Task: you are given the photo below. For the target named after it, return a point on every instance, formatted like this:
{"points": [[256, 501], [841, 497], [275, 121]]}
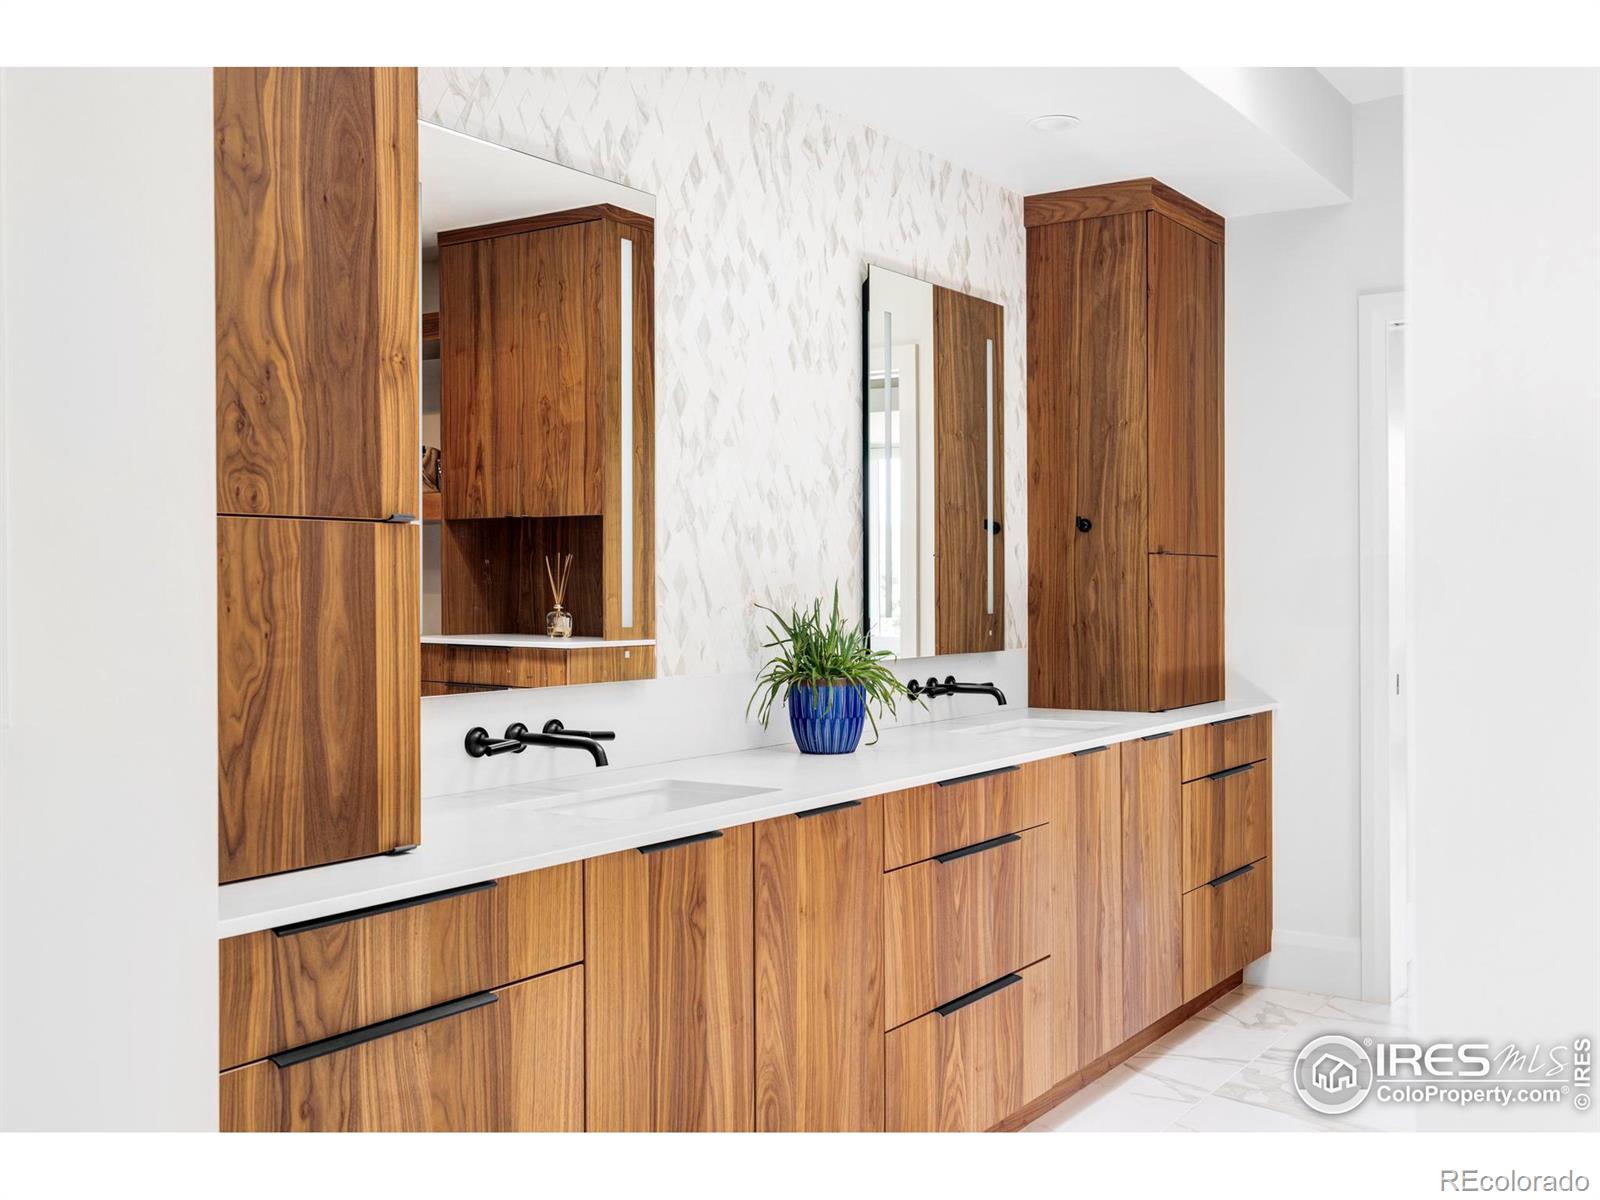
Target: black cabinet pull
{"points": [[1090, 750], [972, 997], [1084, 524], [977, 847], [828, 808], [400, 518], [1231, 771], [371, 1033], [1222, 879], [674, 843], [977, 775], [357, 914], [1230, 720], [1156, 737]]}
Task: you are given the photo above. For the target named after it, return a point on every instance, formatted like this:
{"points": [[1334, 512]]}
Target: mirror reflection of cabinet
{"points": [[544, 401], [934, 456]]}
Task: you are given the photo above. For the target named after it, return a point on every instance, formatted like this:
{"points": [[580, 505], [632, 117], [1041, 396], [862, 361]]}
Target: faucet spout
{"points": [[577, 739]]}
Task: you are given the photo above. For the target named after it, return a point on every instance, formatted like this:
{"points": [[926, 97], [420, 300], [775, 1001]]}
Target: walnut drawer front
{"points": [[510, 1059], [973, 1062], [1227, 822], [302, 983], [939, 817], [1208, 749], [1227, 924], [957, 921]]}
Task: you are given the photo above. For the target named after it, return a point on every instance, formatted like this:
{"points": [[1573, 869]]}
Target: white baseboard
{"points": [[1310, 962]]}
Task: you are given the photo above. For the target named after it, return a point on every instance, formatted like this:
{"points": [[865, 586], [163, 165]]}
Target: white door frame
{"points": [[1381, 942]]}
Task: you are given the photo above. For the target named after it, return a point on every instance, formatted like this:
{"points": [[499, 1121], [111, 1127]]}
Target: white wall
{"points": [[108, 1014], [1292, 532], [1504, 267], [768, 210]]}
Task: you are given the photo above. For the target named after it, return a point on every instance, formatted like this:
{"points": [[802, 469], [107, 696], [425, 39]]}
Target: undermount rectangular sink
{"points": [[1039, 727], [654, 798]]}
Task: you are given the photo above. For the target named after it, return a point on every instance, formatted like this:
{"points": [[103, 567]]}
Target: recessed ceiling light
{"points": [[1054, 122]]}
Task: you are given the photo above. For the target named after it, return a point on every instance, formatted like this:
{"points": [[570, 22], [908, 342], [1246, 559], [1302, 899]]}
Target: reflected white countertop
{"points": [[470, 837]]}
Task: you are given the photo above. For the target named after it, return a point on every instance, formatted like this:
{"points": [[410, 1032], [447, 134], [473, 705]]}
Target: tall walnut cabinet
{"points": [[1124, 448], [317, 481]]}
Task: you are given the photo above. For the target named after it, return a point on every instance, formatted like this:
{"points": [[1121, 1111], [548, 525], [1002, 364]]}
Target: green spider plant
{"points": [[814, 651]]}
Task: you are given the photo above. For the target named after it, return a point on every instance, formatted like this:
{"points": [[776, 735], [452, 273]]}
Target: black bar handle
{"points": [[828, 808], [1232, 720], [554, 725], [1231, 771], [1156, 737], [1090, 750], [978, 847], [977, 775], [1222, 879], [972, 997], [371, 1033], [357, 914], [674, 843]]}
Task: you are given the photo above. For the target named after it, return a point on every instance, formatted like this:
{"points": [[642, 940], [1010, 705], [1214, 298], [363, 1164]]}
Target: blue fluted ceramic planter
{"points": [[827, 718]]}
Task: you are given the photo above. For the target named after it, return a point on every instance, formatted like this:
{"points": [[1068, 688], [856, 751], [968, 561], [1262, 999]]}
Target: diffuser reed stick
{"points": [[558, 622]]}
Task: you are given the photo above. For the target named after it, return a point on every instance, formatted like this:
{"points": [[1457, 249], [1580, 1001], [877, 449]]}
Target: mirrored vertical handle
{"points": [[625, 425], [988, 434]]}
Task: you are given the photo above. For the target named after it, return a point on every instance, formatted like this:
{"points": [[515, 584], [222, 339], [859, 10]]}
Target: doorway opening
{"points": [[1386, 843]]}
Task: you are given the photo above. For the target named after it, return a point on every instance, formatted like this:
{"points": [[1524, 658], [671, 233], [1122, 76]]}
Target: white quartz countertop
{"points": [[470, 837]]}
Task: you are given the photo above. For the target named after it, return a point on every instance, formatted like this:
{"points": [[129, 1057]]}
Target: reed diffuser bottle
{"points": [[558, 621]]}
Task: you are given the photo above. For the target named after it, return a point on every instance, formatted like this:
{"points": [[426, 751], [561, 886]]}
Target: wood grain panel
{"points": [[1097, 334], [522, 378], [570, 216], [967, 1071], [317, 679], [1223, 744], [515, 1064], [316, 291], [1126, 196], [938, 817], [1186, 653], [1066, 1086], [1185, 390], [963, 327], [510, 666], [819, 971], [1152, 871], [669, 956], [1051, 445], [952, 926], [1086, 825], [1226, 927], [284, 990], [1227, 823]]}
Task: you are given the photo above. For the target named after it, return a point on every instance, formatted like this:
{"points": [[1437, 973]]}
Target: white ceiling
{"points": [[466, 181], [1361, 84], [1159, 121]]}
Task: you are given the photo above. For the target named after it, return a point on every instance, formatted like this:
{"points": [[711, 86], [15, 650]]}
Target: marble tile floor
{"points": [[1227, 1069]]}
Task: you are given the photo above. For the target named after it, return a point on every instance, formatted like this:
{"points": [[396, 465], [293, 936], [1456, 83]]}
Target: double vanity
{"points": [[950, 929], [946, 932]]}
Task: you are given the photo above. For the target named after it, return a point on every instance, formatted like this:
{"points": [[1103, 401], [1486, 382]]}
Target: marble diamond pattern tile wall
{"points": [[769, 210]]}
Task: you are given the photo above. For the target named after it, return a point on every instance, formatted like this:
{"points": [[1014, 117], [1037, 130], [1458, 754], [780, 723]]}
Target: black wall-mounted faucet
{"points": [[951, 688], [519, 737]]}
